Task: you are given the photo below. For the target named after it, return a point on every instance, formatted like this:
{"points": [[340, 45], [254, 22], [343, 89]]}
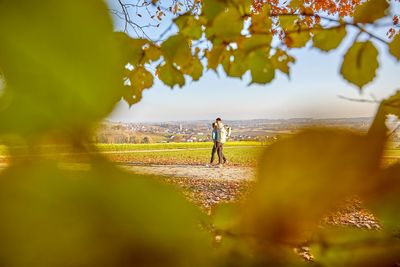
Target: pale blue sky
{"points": [[312, 91]]}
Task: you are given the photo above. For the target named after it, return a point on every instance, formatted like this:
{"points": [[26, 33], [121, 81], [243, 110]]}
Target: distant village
{"points": [[263, 130]]}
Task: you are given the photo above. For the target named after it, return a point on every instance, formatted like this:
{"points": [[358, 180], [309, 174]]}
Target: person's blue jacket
{"points": [[214, 135]]}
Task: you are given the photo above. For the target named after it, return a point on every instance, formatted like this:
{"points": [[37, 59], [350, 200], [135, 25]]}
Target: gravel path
{"points": [[226, 173]]}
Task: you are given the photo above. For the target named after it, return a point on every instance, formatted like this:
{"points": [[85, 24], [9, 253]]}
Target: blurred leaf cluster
{"points": [[64, 69]]}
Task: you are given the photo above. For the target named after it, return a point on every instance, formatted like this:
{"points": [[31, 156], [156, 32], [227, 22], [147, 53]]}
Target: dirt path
{"points": [[228, 173], [167, 150]]}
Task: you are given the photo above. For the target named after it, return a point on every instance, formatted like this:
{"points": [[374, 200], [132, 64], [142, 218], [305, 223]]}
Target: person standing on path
{"points": [[222, 135], [214, 136]]}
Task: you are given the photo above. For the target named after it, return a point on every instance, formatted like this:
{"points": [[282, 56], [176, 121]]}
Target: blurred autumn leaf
{"points": [[97, 217], [58, 76], [352, 247], [307, 174]]}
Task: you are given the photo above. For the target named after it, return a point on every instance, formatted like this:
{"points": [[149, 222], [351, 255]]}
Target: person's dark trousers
{"points": [[213, 151], [221, 157]]}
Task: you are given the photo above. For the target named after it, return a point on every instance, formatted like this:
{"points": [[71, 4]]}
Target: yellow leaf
{"points": [[261, 68], [170, 75], [212, 8], [214, 56], [261, 22], [370, 11], [255, 42], [176, 49], [226, 26], [394, 47], [280, 60], [297, 39], [303, 177], [328, 39], [360, 63], [189, 26]]}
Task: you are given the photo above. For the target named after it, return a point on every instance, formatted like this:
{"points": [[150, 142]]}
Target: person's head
{"points": [[214, 125], [218, 120]]}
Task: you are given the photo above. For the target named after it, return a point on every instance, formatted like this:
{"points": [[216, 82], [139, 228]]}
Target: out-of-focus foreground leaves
{"points": [[316, 169], [64, 68], [97, 217], [303, 177]]}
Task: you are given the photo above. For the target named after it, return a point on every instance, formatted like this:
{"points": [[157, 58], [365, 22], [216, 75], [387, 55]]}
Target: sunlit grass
{"points": [[243, 153], [238, 156], [158, 146]]}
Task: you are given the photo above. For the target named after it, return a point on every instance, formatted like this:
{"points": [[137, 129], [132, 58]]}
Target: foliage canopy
{"points": [[63, 70]]}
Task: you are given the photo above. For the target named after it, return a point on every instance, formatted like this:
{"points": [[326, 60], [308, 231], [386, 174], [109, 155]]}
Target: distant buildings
{"points": [[200, 131]]}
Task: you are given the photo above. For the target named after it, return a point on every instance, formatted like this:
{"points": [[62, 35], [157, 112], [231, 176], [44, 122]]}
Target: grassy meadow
{"points": [[238, 153], [243, 153]]}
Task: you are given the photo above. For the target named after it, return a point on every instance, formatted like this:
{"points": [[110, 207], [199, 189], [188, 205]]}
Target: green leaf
{"points": [[170, 75], [63, 74], [328, 39], [261, 22], [214, 56], [212, 8], [189, 26], [385, 205], [140, 79], [152, 52], [343, 246], [261, 68], [196, 69], [243, 6], [225, 216], [394, 47], [176, 49], [297, 39], [254, 42], [227, 25], [296, 4], [131, 48], [99, 216], [235, 63], [288, 23], [281, 60], [370, 11], [360, 63], [136, 55]]}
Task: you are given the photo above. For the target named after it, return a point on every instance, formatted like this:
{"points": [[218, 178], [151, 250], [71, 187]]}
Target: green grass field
{"points": [[237, 156], [238, 153], [159, 146], [244, 153]]}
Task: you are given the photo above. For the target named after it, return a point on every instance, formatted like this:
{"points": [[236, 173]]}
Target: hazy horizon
{"points": [[233, 119]]}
